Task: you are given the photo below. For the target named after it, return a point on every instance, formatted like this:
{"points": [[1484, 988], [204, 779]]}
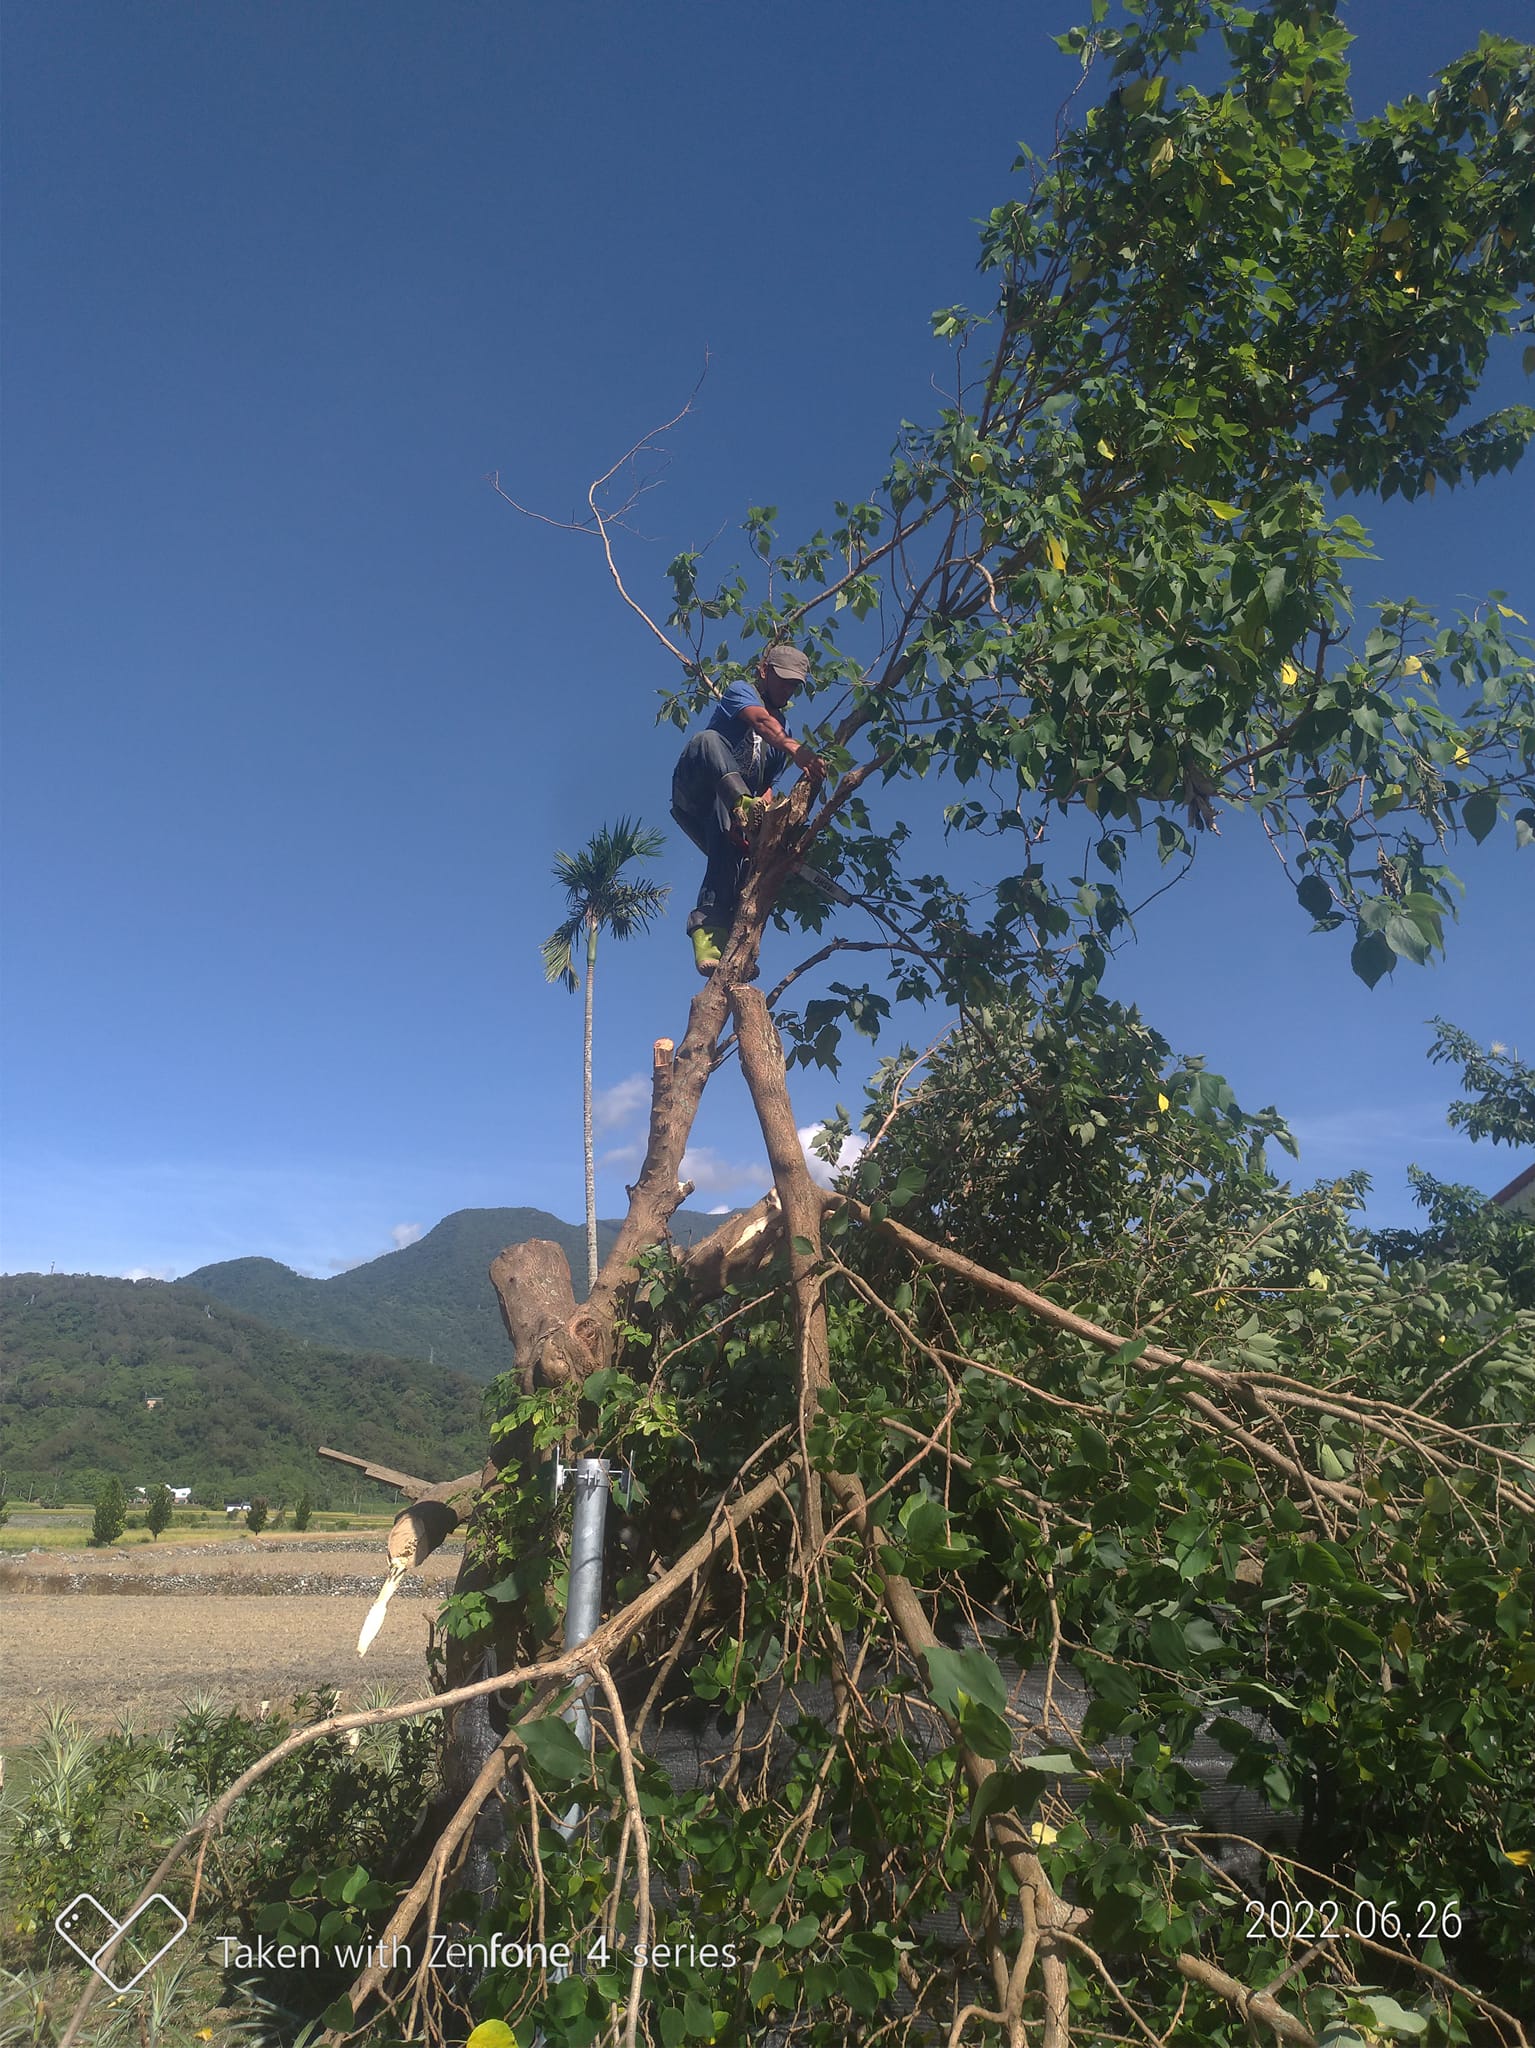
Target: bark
{"points": [[558, 1341], [799, 1201], [434, 1509], [406, 1482], [533, 1287], [740, 1248], [676, 1093]]}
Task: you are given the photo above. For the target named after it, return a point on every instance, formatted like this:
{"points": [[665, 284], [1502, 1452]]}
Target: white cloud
{"points": [[613, 1107], [712, 1175], [719, 1209], [822, 1174], [621, 1155], [343, 1265], [404, 1234], [1364, 1133], [149, 1273]]}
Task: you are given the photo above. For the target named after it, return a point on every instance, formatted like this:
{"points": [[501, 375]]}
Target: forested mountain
{"points": [[155, 1384], [433, 1299]]}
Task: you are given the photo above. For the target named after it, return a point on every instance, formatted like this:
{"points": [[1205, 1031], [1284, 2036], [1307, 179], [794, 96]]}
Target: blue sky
{"points": [[297, 710]]}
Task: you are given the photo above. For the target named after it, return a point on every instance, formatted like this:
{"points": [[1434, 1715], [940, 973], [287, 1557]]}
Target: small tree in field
{"points": [[161, 1511], [303, 1512], [256, 1515], [111, 1516]]}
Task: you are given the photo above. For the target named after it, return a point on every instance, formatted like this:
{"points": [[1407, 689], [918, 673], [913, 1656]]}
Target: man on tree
{"points": [[722, 773]]}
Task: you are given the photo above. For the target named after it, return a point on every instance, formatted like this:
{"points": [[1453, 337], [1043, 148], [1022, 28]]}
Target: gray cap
{"points": [[787, 661]]}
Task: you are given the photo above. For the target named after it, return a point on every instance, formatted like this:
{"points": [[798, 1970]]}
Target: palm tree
{"points": [[600, 899]]}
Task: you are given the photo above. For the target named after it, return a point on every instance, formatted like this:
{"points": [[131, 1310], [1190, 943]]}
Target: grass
{"points": [[69, 1528]]}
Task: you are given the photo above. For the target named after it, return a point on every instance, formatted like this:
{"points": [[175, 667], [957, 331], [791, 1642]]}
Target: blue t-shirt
{"points": [[761, 762]]}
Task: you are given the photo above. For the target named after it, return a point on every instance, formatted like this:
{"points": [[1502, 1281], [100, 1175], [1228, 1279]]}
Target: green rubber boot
{"points": [[707, 940]]}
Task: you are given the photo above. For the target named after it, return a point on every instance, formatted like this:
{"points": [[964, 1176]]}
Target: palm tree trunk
{"points": [[586, 1110]]}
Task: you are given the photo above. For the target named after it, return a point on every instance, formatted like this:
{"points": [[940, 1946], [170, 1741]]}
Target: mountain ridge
{"points": [[153, 1384], [430, 1300]]}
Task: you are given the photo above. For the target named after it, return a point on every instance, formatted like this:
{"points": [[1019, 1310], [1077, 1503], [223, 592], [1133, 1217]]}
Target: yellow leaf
{"points": [[1163, 1103], [1108, 455], [1413, 666], [1055, 554], [1462, 758], [1184, 440], [1317, 1279], [1289, 674], [1522, 1857], [1509, 613], [1221, 178], [1044, 1835], [1161, 156]]}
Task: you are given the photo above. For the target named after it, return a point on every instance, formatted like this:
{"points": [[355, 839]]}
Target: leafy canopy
{"points": [[1112, 580], [598, 895]]}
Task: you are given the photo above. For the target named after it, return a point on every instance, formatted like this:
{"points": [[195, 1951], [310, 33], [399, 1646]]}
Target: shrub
{"points": [[303, 1512], [256, 1515], [161, 1510], [97, 1811], [111, 1516]]}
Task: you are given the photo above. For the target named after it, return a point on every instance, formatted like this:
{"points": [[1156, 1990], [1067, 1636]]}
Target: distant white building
{"points": [[237, 1507], [1519, 1196], [180, 1494]]}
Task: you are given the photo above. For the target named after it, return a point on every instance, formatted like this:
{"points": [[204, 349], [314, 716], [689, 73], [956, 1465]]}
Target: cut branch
{"points": [[762, 1062]]}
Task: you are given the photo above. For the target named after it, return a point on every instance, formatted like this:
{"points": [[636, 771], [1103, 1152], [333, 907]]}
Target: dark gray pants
{"points": [[705, 815]]}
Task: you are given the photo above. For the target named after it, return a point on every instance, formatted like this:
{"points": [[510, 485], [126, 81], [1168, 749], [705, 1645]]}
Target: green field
{"points": [[69, 1527]]}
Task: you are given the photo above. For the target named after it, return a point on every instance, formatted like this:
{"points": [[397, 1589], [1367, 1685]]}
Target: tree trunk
{"points": [[586, 1109], [558, 1340]]}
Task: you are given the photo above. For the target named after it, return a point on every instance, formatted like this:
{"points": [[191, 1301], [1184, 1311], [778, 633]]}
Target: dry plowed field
{"points": [[247, 1621]]}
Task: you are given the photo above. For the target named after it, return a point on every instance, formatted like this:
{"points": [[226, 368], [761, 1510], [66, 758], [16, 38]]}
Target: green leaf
{"points": [[1481, 813], [803, 1247], [1371, 958], [697, 2017], [984, 1730], [1405, 937], [967, 1672], [1315, 897], [1384, 2012], [1002, 1792], [552, 1745]]}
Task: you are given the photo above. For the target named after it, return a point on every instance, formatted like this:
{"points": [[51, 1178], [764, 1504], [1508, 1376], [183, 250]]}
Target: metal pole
{"points": [[583, 1605], [583, 1602]]}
